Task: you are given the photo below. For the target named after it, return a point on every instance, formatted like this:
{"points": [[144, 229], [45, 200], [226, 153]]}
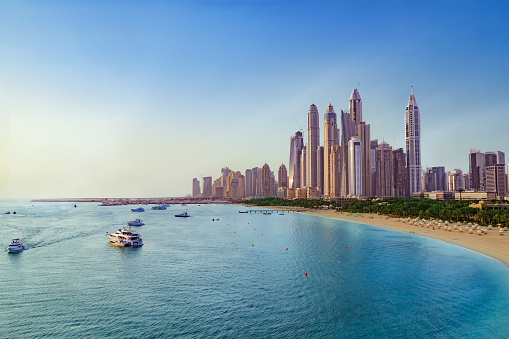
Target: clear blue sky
{"points": [[135, 98]]}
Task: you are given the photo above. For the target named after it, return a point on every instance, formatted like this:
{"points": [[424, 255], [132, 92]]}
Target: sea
{"points": [[225, 274]]}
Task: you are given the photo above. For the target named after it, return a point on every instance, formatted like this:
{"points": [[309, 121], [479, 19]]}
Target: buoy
{"points": [[346, 246], [262, 233], [306, 273], [234, 231], [252, 244], [287, 248]]}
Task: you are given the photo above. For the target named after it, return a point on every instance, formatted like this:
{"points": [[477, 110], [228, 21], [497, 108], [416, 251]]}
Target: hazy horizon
{"points": [[134, 99]]}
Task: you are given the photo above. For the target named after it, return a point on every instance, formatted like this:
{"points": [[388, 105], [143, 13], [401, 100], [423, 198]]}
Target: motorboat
{"points": [[159, 207], [125, 237], [139, 209], [15, 246], [182, 215], [267, 213], [136, 222], [243, 212]]}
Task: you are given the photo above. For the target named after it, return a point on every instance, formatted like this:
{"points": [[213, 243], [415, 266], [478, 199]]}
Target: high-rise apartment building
{"points": [[296, 146], [303, 168], [373, 147], [476, 166], [196, 188], [413, 144], [455, 180], [266, 181], [249, 183], [282, 177], [313, 141], [347, 132], [364, 135], [207, 187], [435, 179], [335, 171], [495, 180], [355, 166], [399, 173], [384, 172], [355, 107], [320, 170], [330, 139]]}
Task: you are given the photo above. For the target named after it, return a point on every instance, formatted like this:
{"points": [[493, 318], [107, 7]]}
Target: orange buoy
{"points": [[262, 233], [287, 248], [346, 246], [306, 273]]}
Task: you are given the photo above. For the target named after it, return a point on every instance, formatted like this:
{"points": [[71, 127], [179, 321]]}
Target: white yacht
{"points": [[182, 215], [136, 222], [159, 207], [15, 246], [125, 237]]}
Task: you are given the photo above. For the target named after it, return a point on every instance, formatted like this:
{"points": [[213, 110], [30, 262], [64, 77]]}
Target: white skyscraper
{"points": [[331, 138], [355, 166], [413, 144], [312, 146], [296, 146]]}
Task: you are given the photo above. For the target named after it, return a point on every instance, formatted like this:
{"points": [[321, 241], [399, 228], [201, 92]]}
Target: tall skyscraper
{"points": [[495, 180], [249, 183], [355, 107], [330, 139], [364, 135], [266, 181], [373, 147], [319, 169], [355, 166], [413, 144], [383, 172], [282, 177], [196, 188], [335, 171], [435, 179], [303, 168], [296, 146], [207, 187], [312, 145], [347, 132], [455, 180], [476, 166], [400, 173]]}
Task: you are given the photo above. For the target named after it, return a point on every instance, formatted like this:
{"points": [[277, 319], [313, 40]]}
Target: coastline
{"points": [[492, 244]]}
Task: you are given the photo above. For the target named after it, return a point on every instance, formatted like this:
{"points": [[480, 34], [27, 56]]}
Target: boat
{"points": [[125, 237], [159, 207], [183, 215], [15, 246], [139, 209], [267, 213], [243, 212], [136, 222]]}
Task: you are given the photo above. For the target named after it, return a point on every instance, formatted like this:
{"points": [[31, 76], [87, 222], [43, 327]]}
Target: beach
{"points": [[491, 244]]}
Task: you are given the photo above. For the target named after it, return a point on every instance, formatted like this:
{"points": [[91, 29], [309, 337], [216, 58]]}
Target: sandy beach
{"points": [[491, 244]]}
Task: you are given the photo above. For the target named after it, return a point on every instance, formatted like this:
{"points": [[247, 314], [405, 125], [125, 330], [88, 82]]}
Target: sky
{"points": [[136, 98]]}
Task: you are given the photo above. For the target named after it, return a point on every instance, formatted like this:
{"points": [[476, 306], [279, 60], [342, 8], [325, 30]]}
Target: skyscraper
{"points": [[330, 139], [435, 179], [319, 169], [413, 144], [355, 166], [374, 145], [266, 181], [196, 187], [296, 146], [355, 107], [303, 168], [312, 145], [364, 135], [495, 180], [207, 187], [400, 173], [347, 132], [476, 166], [383, 172], [249, 183], [282, 178]]}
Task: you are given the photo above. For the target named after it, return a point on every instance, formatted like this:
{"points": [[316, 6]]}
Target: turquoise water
{"points": [[198, 278]]}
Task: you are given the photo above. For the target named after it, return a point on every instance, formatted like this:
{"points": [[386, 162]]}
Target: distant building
{"points": [[455, 180], [384, 172], [413, 144], [476, 170], [331, 138], [249, 183], [303, 169], [347, 132], [495, 180], [435, 179], [373, 146], [335, 171], [364, 135], [196, 188], [265, 184], [207, 187], [320, 170], [399, 173], [282, 177], [312, 145], [355, 166], [296, 146]]}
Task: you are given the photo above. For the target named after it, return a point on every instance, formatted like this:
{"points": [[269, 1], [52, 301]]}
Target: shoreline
{"points": [[492, 244]]}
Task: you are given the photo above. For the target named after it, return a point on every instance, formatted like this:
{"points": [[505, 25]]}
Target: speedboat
{"points": [[15, 246], [159, 207], [183, 215], [139, 209], [125, 237], [136, 222]]}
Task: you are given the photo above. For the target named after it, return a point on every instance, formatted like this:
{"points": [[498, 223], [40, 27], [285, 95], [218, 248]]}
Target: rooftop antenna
{"points": [[298, 126], [358, 85], [411, 89]]}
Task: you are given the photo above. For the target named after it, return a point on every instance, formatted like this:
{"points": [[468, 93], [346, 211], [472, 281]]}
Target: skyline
{"points": [[109, 99]]}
